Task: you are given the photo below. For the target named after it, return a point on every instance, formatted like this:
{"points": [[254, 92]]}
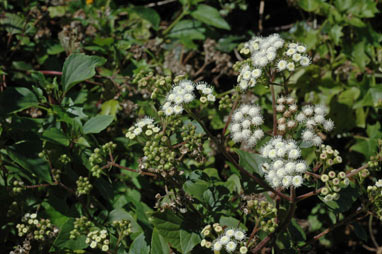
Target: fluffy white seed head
{"points": [[290, 66], [258, 134], [308, 110], [301, 167], [257, 120], [328, 125], [287, 181], [307, 135], [246, 124]]}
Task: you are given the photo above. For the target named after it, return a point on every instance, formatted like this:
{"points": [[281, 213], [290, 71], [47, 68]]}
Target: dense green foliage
{"points": [[92, 161]]}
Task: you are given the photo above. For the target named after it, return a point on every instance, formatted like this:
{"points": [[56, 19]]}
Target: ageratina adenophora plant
{"points": [[231, 186]]}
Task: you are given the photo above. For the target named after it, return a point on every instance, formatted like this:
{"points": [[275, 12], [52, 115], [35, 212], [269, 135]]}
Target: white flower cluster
{"points": [[295, 55], [230, 240], [284, 168], [183, 93], [245, 125], [313, 118], [264, 50], [247, 77], [98, 238], [144, 126]]}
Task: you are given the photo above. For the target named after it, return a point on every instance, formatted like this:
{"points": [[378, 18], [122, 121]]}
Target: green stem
{"points": [[168, 29]]}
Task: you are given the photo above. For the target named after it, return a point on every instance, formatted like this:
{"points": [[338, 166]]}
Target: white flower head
{"points": [[290, 66], [305, 61], [282, 65], [243, 85], [178, 109], [258, 134], [256, 73], [301, 167], [246, 124], [308, 110], [217, 246], [297, 181], [320, 110], [239, 235], [235, 127], [231, 246], [211, 97], [224, 240], [290, 51], [286, 181], [257, 120], [328, 125], [238, 116], [307, 135], [245, 109], [301, 48], [296, 57], [188, 97]]}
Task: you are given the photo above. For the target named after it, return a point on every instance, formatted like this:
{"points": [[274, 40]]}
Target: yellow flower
{"points": [[89, 1]]}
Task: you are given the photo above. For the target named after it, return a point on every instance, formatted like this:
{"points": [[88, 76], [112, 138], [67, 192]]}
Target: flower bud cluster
{"points": [[226, 102], [184, 93], [293, 57], [264, 212], [375, 162], [123, 227], [150, 81], [375, 197], [219, 240], [284, 167], [334, 183], [83, 186], [98, 157], [17, 186], [192, 141], [144, 126], [39, 229], [329, 157], [313, 118], [82, 226], [286, 106], [98, 239], [364, 173], [56, 173], [157, 155], [64, 159], [245, 125]]}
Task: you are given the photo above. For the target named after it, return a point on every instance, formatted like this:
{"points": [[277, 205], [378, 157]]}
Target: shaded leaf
{"points": [[211, 16], [97, 124]]}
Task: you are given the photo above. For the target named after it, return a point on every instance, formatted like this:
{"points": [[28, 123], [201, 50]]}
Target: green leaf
{"points": [[97, 124], [169, 226], [188, 241], [210, 16], [336, 33], [189, 29], [158, 244], [148, 14], [360, 231], [359, 56], [15, 99], [296, 232], [309, 5], [79, 67], [110, 107], [233, 184], [139, 246], [63, 241], [55, 135], [196, 189], [251, 161], [13, 23]]}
